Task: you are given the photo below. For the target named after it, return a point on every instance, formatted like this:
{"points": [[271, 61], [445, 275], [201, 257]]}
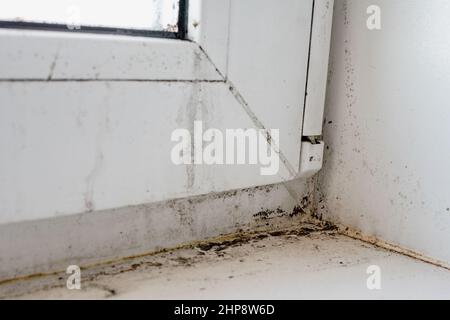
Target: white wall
{"points": [[387, 170]]}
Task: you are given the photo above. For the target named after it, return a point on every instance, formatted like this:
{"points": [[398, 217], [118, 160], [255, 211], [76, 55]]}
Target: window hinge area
{"points": [[311, 156]]}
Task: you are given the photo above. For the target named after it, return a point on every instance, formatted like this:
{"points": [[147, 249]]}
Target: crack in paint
{"points": [[98, 161]]}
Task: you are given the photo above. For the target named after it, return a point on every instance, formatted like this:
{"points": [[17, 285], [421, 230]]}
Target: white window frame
{"points": [[28, 56]]}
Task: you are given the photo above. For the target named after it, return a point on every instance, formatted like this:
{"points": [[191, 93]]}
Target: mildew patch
{"points": [[231, 246]]}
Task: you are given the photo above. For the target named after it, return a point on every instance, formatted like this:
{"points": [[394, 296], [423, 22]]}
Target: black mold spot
{"points": [[264, 214]]}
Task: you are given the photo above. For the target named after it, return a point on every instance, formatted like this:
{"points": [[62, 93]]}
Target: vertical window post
{"points": [[183, 16]]}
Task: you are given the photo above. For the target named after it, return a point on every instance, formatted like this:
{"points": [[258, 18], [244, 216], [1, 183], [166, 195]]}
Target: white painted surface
{"points": [[267, 64], [318, 68], [314, 267], [91, 131], [387, 168], [267, 61], [71, 147], [209, 26], [62, 55]]}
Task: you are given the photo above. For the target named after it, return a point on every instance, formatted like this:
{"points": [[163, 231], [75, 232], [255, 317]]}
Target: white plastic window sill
{"points": [[45, 55]]}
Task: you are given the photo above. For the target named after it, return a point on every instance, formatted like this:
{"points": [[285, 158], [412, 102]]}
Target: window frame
{"points": [[41, 59], [181, 34]]}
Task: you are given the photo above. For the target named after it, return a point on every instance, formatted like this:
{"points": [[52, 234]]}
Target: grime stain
{"points": [[52, 66]]}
